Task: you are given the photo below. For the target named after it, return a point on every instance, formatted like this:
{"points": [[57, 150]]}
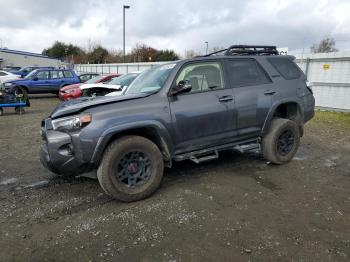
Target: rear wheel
{"points": [[282, 142], [131, 169]]}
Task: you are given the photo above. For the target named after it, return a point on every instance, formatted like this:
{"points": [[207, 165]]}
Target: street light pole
{"points": [[206, 49], [124, 7]]}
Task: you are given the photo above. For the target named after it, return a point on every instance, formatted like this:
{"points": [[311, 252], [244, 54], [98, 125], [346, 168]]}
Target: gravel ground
{"points": [[236, 208]]}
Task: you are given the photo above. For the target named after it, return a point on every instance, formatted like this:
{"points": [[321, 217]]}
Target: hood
{"points": [[17, 80], [77, 105], [74, 86], [101, 85]]}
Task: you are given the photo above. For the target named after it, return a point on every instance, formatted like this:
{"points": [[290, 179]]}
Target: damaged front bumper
{"points": [[61, 154]]}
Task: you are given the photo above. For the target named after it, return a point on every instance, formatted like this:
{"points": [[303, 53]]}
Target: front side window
{"points": [[246, 72], [43, 75], [84, 78], [202, 76], [57, 74]]}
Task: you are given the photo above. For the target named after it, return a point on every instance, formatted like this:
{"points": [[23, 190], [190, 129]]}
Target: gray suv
{"points": [[188, 109]]}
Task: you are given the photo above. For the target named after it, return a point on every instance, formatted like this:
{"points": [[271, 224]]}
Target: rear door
{"points": [[56, 80], [205, 115], [40, 82], [252, 89]]}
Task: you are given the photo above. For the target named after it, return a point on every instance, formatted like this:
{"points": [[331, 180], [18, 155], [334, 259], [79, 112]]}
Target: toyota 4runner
{"points": [[188, 109]]}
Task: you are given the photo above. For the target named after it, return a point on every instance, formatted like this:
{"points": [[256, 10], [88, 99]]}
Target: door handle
{"points": [[269, 92], [225, 98]]}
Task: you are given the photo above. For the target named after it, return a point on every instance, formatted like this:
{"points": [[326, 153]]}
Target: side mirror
{"points": [[35, 78], [183, 86]]}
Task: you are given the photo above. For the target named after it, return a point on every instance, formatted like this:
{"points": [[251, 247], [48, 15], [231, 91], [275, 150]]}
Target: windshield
{"points": [[151, 80], [94, 80], [30, 75], [124, 80]]}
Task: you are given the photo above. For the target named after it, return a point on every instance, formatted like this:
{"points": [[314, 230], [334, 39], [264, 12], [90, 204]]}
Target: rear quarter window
{"points": [[68, 74], [285, 67]]}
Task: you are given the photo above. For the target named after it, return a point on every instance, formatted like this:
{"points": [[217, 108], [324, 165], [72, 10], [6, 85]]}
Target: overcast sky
{"points": [[32, 25]]}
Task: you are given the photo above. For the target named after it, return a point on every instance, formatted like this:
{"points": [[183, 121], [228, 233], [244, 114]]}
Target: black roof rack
{"points": [[247, 50]]}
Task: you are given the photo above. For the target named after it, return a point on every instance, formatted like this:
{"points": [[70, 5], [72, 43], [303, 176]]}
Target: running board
{"points": [[245, 148], [203, 158], [214, 150]]}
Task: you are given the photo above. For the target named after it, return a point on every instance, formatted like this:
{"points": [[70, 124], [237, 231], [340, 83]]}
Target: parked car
{"points": [[11, 68], [87, 76], [26, 70], [117, 86], [45, 81], [7, 76], [189, 109], [74, 91]]}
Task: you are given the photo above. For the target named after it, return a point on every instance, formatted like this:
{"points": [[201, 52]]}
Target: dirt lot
{"points": [[237, 208]]}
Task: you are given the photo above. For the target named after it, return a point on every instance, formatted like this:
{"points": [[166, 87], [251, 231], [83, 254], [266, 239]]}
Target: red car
{"points": [[73, 91]]}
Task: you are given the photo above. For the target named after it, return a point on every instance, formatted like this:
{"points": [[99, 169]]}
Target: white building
{"points": [[10, 57]]}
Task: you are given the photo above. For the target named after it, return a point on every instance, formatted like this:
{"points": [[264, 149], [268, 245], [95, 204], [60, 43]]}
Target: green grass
{"points": [[332, 118]]}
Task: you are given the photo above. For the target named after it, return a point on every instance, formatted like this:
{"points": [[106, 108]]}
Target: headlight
{"points": [[8, 84], [71, 123]]}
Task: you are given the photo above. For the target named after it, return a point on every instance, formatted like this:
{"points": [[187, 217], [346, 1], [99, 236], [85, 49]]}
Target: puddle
{"points": [[37, 184], [266, 183], [9, 181], [329, 163]]}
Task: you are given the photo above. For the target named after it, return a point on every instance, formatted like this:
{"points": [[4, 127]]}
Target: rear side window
{"points": [[246, 72], [3, 74], [68, 74], [285, 67], [56, 74]]}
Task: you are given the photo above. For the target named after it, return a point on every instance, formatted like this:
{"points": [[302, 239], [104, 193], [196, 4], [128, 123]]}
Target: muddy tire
{"points": [[131, 169], [282, 142]]}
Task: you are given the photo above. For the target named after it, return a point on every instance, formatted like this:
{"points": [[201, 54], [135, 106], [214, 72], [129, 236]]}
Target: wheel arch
{"points": [[152, 130], [288, 109]]}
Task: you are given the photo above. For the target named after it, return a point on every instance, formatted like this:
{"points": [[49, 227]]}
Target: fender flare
{"points": [[162, 132], [273, 108]]}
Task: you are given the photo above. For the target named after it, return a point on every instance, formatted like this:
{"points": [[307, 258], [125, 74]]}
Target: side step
{"points": [[203, 158], [249, 147]]}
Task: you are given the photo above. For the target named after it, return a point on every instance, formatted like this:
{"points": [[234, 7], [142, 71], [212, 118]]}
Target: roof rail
{"points": [[248, 50]]}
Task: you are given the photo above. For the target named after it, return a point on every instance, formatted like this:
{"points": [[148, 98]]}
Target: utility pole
{"points": [[124, 7], [206, 49]]}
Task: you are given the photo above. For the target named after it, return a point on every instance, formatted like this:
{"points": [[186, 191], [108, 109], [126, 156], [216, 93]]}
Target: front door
{"points": [[205, 115], [40, 82]]}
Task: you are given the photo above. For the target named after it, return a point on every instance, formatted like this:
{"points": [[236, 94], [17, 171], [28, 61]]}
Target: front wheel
{"points": [[282, 142], [131, 169]]}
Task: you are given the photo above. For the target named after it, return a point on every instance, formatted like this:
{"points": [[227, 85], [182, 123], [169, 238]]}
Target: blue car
{"points": [[22, 72], [42, 81]]}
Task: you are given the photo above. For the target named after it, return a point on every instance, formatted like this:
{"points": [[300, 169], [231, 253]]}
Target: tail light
{"points": [[308, 86]]}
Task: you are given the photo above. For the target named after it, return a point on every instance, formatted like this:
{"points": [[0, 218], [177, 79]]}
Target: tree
{"points": [[98, 55], [143, 53], [167, 55], [61, 50], [327, 45]]}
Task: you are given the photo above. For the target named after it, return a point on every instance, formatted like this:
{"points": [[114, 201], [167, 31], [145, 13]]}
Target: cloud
{"points": [[33, 25]]}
